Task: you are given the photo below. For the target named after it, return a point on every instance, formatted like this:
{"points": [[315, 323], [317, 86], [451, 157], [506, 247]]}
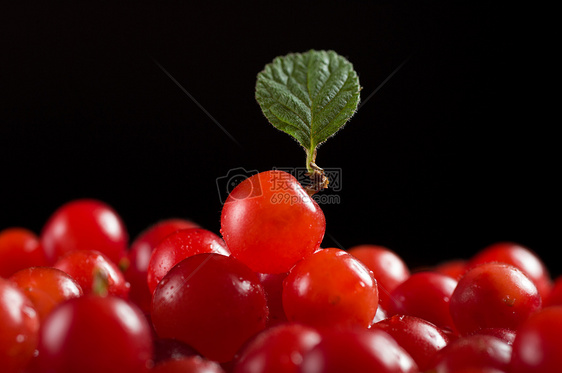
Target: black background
{"points": [[454, 152]]}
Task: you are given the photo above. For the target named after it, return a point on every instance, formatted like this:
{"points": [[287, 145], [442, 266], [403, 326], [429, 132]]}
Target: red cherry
{"points": [[357, 350], [94, 272], [211, 302], [420, 338], [426, 295], [19, 326], [46, 287], [269, 222], [473, 352], [93, 334], [536, 347], [84, 224], [279, 349], [330, 288], [178, 246], [387, 267], [19, 249], [520, 257], [493, 295], [138, 257]]}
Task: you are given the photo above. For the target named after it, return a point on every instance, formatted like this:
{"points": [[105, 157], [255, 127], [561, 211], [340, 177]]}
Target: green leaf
{"points": [[308, 95]]}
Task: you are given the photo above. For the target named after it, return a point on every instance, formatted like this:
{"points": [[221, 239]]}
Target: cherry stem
{"points": [[318, 178], [100, 284]]}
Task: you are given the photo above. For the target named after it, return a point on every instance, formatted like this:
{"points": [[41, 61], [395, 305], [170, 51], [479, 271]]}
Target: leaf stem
{"points": [[310, 160]]}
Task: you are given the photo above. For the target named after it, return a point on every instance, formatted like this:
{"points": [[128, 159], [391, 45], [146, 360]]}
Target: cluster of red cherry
{"points": [[262, 297]]}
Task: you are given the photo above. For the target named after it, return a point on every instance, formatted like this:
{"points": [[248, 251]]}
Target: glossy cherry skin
{"points": [[472, 352], [518, 256], [94, 272], [269, 222], [426, 295], [194, 364], [273, 287], [84, 224], [330, 288], [19, 327], [506, 335], [387, 267], [420, 338], [178, 246], [46, 287], [95, 334], [278, 349], [212, 302], [19, 249], [357, 350], [536, 347], [138, 257], [493, 295]]}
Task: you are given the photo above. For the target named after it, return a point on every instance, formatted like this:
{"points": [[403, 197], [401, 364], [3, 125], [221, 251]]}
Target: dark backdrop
{"points": [[452, 153]]}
